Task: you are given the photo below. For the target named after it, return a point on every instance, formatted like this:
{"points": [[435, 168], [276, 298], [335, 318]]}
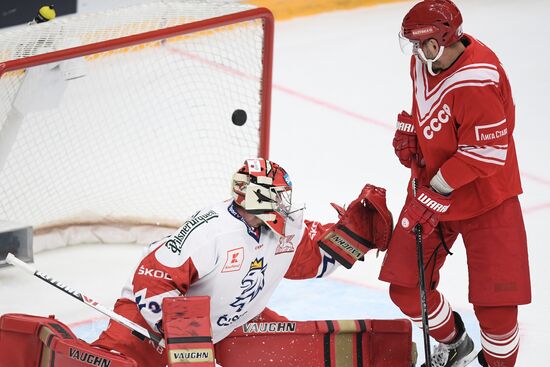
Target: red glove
{"points": [[366, 224], [405, 142], [425, 209]]}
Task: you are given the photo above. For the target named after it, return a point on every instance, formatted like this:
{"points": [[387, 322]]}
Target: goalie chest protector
{"points": [[35, 341]]}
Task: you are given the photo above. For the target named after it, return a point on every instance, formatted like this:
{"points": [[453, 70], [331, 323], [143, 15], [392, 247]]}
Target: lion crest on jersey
{"points": [[252, 283]]}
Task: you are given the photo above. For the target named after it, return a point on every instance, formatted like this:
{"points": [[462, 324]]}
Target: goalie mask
{"points": [[263, 188]]}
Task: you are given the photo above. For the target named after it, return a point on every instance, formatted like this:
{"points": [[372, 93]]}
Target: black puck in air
{"points": [[239, 117]]}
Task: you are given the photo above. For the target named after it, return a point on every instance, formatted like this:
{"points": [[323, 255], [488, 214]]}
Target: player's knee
{"points": [[406, 299]]}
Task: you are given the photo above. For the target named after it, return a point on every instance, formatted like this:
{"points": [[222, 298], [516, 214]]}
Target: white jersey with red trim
{"points": [[216, 253]]}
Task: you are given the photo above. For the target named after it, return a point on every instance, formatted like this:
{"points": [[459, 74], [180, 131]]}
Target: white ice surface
{"points": [[339, 81]]}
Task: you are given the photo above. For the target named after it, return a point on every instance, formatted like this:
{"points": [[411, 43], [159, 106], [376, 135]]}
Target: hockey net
{"points": [[126, 116]]}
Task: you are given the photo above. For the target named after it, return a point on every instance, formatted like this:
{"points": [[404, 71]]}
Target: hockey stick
{"points": [[421, 280], [136, 329]]}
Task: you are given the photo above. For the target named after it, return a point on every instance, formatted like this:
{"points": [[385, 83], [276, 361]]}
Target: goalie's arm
{"points": [[310, 260], [153, 282], [170, 268]]}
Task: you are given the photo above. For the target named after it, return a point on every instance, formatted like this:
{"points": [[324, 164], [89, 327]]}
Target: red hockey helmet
{"points": [[437, 19], [264, 189]]}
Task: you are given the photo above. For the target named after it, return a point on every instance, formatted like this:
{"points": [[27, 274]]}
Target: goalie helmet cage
{"points": [[126, 116]]}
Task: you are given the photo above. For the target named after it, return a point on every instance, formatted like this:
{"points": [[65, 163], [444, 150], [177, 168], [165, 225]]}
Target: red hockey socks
{"points": [[499, 334], [440, 314]]}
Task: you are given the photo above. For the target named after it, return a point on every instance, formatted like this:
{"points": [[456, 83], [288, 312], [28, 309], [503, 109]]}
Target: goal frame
{"points": [[174, 31], [261, 13]]}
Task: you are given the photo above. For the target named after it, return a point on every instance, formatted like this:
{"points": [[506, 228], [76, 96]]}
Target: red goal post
{"points": [[126, 116]]}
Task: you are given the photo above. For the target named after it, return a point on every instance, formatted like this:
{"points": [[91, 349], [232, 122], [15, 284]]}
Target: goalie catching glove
{"points": [[366, 224]]}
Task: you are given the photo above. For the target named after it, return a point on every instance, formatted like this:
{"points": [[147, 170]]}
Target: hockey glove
{"points": [[424, 209], [366, 224], [405, 142]]}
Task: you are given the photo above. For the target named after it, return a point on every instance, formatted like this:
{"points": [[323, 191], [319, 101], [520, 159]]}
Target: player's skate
{"points": [[481, 359], [459, 353]]}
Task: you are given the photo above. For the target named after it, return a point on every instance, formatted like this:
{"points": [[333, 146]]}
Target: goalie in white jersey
{"points": [[237, 252]]}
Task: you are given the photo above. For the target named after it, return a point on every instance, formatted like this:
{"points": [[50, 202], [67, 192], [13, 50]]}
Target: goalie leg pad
{"points": [[187, 331], [33, 341], [350, 343]]}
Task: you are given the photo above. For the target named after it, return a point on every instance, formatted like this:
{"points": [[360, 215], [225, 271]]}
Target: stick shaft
{"points": [[422, 282], [11, 259]]}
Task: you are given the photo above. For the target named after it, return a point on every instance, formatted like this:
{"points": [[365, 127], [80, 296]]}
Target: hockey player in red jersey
{"points": [[459, 134], [236, 252]]}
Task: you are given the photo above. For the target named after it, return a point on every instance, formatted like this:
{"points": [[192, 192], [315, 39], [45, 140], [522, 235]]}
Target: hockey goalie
{"points": [[204, 289]]}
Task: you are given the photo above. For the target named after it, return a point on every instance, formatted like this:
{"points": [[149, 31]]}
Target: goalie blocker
{"points": [[366, 224]]}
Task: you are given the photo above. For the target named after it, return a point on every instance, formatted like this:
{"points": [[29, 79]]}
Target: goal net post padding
{"points": [[127, 117]]}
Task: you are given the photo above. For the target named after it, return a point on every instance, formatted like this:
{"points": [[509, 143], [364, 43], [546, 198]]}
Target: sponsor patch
{"points": [[234, 260], [153, 273], [491, 131], [175, 242]]}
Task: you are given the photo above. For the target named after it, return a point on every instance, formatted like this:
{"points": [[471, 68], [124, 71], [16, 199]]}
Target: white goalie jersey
{"points": [[216, 253]]}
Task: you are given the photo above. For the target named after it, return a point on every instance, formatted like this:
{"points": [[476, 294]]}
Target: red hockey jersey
{"points": [[464, 119]]}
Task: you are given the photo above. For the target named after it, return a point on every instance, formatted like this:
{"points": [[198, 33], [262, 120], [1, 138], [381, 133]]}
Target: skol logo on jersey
{"points": [[154, 273], [436, 123], [251, 285]]}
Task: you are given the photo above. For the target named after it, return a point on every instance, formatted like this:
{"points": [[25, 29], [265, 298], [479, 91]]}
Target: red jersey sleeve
{"points": [[309, 260], [482, 132], [153, 281]]}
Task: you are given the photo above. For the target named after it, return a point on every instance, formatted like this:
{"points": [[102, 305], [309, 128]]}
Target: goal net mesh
{"points": [[135, 130]]}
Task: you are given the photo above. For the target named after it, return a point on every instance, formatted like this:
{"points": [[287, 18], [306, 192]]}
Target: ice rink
{"points": [[339, 81]]}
